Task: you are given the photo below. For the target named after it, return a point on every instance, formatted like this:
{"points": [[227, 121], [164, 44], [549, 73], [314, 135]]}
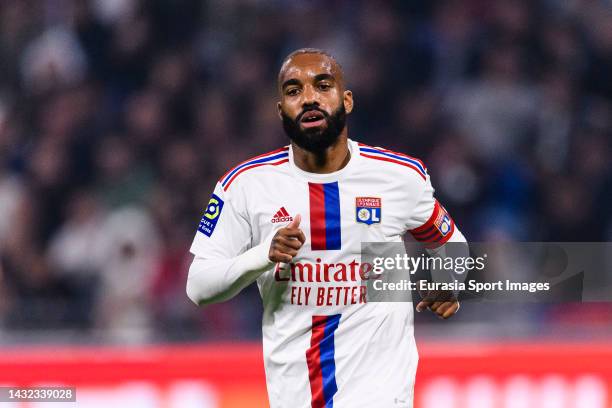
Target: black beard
{"points": [[316, 140]]}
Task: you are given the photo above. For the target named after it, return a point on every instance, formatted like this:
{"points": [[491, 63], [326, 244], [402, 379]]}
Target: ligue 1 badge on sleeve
{"points": [[368, 210], [211, 215]]}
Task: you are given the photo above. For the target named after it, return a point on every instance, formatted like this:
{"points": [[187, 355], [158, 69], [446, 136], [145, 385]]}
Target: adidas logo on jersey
{"points": [[281, 216]]}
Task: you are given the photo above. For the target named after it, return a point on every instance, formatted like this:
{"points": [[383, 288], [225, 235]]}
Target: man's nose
{"points": [[311, 96]]}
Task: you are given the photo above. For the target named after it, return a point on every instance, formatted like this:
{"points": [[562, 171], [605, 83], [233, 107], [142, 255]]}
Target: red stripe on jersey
{"points": [[317, 216], [282, 149], [387, 159], [313, 360], [394, 152], [252, 167], [284, 212], [430, 233]]}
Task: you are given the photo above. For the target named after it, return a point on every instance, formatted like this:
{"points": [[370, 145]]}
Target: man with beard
{"points": [[293, 221]]}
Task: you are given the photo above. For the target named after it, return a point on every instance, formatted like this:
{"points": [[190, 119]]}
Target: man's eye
{"points": [[324, 86], [292, 91]]}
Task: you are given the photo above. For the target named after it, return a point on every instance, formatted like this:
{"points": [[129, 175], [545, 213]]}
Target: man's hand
{"points": [[442, 303], [286, 242]]}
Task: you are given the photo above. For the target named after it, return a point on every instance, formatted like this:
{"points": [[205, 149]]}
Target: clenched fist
{"points": [[441, 302], [287, 241]]}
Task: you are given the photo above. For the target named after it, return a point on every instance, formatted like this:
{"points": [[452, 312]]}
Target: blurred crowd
{"points": [[117, 118]]}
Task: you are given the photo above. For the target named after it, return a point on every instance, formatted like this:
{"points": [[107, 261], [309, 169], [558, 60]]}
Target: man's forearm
{"points": [[455, 247], [216, 280]]}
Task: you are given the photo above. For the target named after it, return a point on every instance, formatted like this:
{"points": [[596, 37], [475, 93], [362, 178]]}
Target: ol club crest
{"points": [[368, 210]]}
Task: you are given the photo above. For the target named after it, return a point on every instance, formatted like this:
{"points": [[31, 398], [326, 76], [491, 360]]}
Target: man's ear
{"points": [[348, 101], [279, 110]]}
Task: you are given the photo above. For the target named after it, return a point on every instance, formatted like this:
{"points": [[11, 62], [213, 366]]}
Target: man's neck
{"points": [[332, 159]]}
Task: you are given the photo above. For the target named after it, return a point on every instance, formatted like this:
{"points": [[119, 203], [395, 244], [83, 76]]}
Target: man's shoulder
{"points": [[392, 161], [274, 159]]}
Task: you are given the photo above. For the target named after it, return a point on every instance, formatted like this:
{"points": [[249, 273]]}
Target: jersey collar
{"points": [[327, 177]]}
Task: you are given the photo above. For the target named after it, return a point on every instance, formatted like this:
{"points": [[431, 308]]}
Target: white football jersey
{"points": [[324, 345]]}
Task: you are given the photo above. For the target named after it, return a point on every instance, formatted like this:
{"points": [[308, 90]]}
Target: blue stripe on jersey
{"points": [[332, 216], [405, 159], [262, 160], [328, 364]]}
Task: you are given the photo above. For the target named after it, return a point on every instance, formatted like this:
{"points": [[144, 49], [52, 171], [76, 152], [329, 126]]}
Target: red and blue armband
{"points": [[437, 230]]}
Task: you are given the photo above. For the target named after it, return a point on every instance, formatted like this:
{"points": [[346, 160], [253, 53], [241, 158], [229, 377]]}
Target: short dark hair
{"points": [[319, 51], [311, 51]]}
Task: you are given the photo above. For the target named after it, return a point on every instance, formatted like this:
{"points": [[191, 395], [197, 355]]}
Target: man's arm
{"points": [[446, 304], [217, 280], [431, 224], [221, 267]]}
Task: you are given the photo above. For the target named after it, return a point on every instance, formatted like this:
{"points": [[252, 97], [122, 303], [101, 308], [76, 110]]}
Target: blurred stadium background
{"points": [[118, 116]]}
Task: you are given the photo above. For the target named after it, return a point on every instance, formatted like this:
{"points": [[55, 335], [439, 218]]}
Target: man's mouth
{"points": [[312, 118]]}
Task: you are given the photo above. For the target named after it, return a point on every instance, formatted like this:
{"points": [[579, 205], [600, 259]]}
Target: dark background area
{"points": [[118, 117]]}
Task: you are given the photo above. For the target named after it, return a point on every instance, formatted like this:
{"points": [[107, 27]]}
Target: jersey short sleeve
{"points": [[429, 222], [223, 232]]}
